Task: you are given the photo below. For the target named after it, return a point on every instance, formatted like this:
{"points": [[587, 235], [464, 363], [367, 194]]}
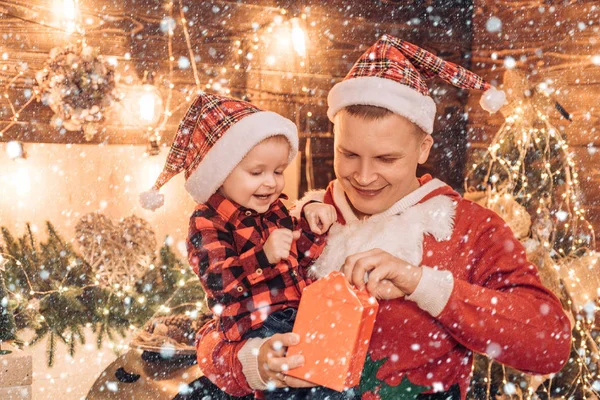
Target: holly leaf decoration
{"points": [[406, 390], [368, 379]]}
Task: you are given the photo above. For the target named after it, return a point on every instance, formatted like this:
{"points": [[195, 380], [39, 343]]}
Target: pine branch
{"points": [[51, 349], [72, 344]]}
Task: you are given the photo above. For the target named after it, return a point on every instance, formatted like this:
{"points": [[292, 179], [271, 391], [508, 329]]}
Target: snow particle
{"points": [[493, 25], [510, 388], [493, 350], [509, 63], [562, 215], [277, 345], [167, 351], [183, 62], [167, 24], [218, 309]]}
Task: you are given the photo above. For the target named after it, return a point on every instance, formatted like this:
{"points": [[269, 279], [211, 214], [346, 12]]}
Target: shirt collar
{"points": [[229, 209]]}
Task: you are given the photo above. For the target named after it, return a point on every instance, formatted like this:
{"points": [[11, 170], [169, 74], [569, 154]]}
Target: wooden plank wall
{"points": [[338, 32], [553, 41]]}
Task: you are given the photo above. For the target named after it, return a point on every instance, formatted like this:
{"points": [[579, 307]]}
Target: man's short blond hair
{"points": [[373, 113]]}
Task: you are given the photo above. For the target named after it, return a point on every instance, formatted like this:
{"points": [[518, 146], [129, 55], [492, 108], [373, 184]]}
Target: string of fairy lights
{"points": [[70, 22], [513, 172], [552, 182], [123, 292], [244, 49]]}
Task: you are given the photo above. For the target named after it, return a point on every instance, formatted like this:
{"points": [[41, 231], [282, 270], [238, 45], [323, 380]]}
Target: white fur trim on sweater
{"points": [[233, 146], [433, 291], [386, 93], [412, 198], [248, 356], [400, 235], [340, 200]]}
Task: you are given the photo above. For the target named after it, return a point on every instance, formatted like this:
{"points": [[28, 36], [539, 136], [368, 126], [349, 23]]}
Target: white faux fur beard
{"points": [[400, 235]]}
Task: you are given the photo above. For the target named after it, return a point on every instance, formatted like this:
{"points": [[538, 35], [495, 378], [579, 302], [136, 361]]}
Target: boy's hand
{"points": [[277, 247], [320, 216]]}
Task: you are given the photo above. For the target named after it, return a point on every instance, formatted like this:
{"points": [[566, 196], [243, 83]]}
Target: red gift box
{"points": [[335, 322]]}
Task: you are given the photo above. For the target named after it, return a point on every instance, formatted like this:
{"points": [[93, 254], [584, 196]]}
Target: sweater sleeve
{"points": [[504, 310], [219, 362], [310, 245]]}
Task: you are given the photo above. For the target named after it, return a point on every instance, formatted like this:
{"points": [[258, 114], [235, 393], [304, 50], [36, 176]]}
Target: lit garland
{"points": [[54, 292], [16, 113], [528, 161], [219, 85]]}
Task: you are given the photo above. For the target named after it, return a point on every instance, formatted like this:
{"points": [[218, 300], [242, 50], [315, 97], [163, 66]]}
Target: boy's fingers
{"points": [[313, 223]]}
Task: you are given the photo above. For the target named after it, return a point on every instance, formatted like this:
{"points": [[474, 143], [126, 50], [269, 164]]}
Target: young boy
{"points": [[249, 253]]}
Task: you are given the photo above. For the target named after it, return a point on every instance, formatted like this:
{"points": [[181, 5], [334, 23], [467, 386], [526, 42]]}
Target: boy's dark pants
{"points": [[283, 322]]}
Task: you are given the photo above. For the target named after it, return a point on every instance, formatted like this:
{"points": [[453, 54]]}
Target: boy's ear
{"points": [[425, 148]]}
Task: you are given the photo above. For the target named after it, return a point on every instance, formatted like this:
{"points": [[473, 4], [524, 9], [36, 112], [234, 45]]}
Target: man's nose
{"points": [[366, 174]]}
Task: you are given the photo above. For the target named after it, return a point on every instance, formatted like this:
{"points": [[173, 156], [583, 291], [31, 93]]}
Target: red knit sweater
{"points": [[498, 306]]}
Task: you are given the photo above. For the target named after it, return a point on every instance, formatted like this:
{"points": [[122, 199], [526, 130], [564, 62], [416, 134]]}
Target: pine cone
{"points": [[179, 327]]}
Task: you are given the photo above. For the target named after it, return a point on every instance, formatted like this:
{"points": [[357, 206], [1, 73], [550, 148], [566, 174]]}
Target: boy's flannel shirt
{"points": [[225, 249]]}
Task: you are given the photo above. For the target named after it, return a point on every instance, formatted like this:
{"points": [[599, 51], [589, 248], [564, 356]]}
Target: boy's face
{"points": [[376, 160], [257, 181]]}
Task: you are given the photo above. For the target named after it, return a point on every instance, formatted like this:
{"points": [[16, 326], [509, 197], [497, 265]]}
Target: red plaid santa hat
{"points": [[214, 136], [391, 74]]}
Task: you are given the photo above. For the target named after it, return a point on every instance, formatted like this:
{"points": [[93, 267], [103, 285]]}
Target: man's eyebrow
{"points": [[391, 155]]}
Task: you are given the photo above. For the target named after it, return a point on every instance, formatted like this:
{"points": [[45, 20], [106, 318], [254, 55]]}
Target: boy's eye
{"points": [[278, 172], [255, 173]]}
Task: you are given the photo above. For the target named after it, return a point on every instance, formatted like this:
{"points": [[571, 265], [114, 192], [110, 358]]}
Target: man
{"points": [[450, 276]]}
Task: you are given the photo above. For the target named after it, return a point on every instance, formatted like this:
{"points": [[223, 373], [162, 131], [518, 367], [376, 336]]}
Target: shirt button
{"points": [[248, 213], [259, 271], [240, 289]]}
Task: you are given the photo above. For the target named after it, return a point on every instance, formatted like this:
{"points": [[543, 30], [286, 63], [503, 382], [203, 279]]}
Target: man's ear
{"points": [[425, 148]]}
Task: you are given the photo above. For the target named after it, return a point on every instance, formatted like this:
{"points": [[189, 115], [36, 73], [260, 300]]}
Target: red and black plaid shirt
{"points": [[225, 249]]}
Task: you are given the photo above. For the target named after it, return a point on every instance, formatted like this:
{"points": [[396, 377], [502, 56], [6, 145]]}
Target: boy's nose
{"points": [[270, 180]]}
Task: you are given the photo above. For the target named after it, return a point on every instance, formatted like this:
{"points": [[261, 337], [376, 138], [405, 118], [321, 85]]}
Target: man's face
{"points": [[376, 160]]}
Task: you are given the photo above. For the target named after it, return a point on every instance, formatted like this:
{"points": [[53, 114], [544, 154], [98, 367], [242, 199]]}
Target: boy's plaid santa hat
{"points": [[214, 136], [391, 74]]}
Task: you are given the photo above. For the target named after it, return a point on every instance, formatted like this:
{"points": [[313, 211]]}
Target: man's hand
{"points": [[277, 247], [319, 216], [389, 276], [273, 364]]}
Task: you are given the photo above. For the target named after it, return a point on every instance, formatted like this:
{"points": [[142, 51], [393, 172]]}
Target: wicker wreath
{"points": [[118, 253]]}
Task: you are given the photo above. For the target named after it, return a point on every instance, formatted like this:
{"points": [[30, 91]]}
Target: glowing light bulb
{"points": [[298, 37]]}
